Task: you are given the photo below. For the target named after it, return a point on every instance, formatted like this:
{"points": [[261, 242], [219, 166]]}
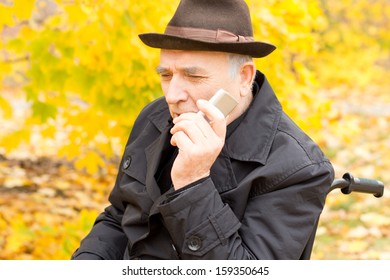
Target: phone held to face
{"points": [[223, 101]]}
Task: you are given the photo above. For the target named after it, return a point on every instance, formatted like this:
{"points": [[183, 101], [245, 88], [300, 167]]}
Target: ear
{"points": [[247, 74]]}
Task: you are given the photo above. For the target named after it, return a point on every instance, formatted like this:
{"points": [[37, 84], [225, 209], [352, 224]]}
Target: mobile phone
{"points": [[223, 101]]}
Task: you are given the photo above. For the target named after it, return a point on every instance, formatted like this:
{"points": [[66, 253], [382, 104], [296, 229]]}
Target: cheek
{"points": [[205, 94], [207, 89], [233, 87], [164, 86]]}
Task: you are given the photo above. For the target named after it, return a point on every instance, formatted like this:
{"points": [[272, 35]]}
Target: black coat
{"points": [[262, 200]]}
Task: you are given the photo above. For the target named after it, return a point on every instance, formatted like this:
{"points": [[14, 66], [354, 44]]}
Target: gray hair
{"points": [[235, 62]]}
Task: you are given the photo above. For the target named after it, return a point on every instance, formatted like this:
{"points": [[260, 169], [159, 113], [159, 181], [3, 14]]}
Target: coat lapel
{"points": [[153, 157]]}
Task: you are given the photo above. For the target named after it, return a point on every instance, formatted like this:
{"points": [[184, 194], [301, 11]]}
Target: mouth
{"points": [[175, 115], [176, 112]]}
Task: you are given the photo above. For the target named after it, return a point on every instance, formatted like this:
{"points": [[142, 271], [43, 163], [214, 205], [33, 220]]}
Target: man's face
{"points": [[187, 76]]}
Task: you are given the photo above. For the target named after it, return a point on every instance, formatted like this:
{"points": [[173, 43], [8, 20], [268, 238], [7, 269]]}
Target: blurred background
{"points": [[74, 76]]}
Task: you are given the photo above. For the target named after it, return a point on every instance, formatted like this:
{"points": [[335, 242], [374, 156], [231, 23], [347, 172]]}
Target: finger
{"points": [[182, 141], [211, 112], [197, 118], [186, 120], [194, 129], [216, 119]]}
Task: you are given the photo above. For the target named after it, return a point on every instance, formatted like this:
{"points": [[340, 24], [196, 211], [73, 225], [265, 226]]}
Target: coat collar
{"points": [[161, 118], [253, 137]]}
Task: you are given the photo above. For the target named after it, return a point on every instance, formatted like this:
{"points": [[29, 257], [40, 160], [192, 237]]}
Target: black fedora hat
{"points": [[210, 25]]}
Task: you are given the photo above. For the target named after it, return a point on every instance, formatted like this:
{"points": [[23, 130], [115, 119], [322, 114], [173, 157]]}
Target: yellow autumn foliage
{"points": [[81, 64]]}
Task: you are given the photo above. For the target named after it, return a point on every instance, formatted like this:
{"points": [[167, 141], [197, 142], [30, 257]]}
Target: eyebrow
{"points": [[161, 69], [193, 70], [188, 70]]}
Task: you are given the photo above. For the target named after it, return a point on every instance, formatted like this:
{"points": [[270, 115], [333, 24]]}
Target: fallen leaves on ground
{"points": [[46, 207], [357, 226]]}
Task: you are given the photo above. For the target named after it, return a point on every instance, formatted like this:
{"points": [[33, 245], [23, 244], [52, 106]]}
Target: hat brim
{"points": [[170, 42]]}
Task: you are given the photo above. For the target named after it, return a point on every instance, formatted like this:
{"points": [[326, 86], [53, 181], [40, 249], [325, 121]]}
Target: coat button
{"points": [[126, 163], [194, 243]]}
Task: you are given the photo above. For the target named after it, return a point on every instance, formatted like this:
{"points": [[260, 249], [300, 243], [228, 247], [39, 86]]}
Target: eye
{"points": [[166, 76], [194, 77]]}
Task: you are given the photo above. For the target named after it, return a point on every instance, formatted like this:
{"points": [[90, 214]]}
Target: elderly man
{"points": [[202, 186]]}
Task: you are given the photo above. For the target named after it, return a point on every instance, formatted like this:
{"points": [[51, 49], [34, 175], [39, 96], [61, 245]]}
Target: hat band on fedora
{"points": [[206, 35]]}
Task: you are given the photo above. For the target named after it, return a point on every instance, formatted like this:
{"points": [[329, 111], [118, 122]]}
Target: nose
{"points": [[175, 91]]}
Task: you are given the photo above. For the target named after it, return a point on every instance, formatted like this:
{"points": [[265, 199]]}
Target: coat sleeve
{"points": [[276, 225], [106, 241]]}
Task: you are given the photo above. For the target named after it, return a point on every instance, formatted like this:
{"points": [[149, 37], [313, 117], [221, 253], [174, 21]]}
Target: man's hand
{"points": [[199, 142]]}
